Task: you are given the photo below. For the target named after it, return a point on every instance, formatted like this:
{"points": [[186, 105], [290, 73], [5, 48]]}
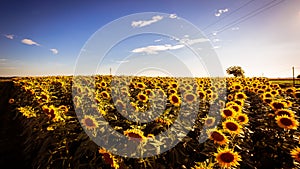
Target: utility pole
{"points": [[293, 76]]}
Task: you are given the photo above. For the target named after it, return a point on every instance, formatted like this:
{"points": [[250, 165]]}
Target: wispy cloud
{"points": [[221, 11], [9, 36], [173, 16], [235, 28], [193, 41], [157, 40], [29, 42], [54, 51], [3, 60], [154, 49], [142, 23], [121, 61]]}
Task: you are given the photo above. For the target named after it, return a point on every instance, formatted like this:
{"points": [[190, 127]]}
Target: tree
{"points": [[236, 71], [298, 76]]}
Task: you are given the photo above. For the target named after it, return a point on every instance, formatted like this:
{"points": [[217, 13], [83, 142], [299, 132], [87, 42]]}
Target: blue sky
{"points": [[46, 37]]}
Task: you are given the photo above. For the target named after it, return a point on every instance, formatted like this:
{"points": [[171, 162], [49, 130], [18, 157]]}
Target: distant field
{"points": [[287, 82]]}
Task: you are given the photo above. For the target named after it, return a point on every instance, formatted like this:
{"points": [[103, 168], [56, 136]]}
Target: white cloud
{"points": [[142, 23], [9, 36], [157, 40], [3, 60], [216, 40], [54, 51], [193, 41], [154, 49], [221, 11], [235, 28], [29, 42], [173, 16], [122, 61]]}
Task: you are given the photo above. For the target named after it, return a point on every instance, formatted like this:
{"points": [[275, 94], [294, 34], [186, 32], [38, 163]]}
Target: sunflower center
{"points": [[286, 121], [108, 159], [175, 99], [209, 121], [89, 122], [240, 96], [228, 112], [278, 105], [227, 157], [231, 126], [142, 97], [217, 136], [190, 97], [241, 118]]}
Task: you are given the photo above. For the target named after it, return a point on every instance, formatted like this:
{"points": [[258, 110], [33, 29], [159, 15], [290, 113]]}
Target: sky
{"points": [[154, 38]]}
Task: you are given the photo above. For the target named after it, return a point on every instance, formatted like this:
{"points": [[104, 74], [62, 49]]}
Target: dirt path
{"points": [[11, 155]]}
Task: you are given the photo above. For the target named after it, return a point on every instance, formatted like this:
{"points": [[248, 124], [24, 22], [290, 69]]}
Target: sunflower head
{"points": [[296, 95], [109, 158], [242, 118], [287, 112], [175, 100], [231, 126], [228, 112], [240, 95], [227, 158], [217, 136], [189, 98], [287, 122], [209, 121], [142, 97], [135, 135], [275, 105], [89, 122], [295, 153]]}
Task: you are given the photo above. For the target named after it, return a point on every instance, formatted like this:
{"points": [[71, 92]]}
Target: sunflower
{"points": [[201, 94], [175, 100], [275, 105], [27, 111], [242, 118], [105, 95], [109, 158], [287, 122], [296, 95], [209, 121], [165, 121], [227, 158], [140, 85], [89, 122], [203, 165], [189, 98], [135, 134], [287, 112], [240, 95], [237, 108], [231, 126], [237, 87], [142, 97], [217, 136], [290, 90], [267, 100], [239, 102], [295, 153], [228, 112], [230, 97]]}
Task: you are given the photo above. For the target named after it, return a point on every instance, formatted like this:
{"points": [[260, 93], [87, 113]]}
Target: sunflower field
{"points": [[239, 122]]}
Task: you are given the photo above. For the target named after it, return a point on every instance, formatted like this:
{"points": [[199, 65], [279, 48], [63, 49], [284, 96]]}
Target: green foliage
{"points": [[236, 71]]}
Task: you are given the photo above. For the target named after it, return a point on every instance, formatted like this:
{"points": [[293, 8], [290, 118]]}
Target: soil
{"points": [[11, 150]]}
